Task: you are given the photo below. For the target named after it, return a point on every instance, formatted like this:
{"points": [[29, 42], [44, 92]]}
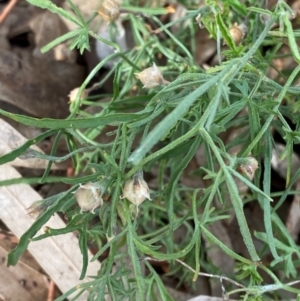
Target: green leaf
{"points": [[173, 182], [109, 243], [292, 41], [30, 181], [264, 202], [145, 10], [20, 150], [234, 197], [225, 32], [26, 238], [250, 185], [81, 42], [77, 12], [72, 123], [61, 39], [84, 250], [259, 10], [239, 7], [162, 128], [46, 4], [228, 251], [77, 223], [142, 247]]}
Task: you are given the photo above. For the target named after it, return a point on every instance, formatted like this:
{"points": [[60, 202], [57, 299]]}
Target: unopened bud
{"points": [[89, 197], [238, 32], [74, 92], [249, 167], [151, 77], [110, 10], [136, 190]]}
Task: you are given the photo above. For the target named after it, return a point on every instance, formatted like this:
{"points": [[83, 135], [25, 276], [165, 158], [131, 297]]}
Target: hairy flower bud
{"points": [[89, 197], [136, 190], [238, 32], [151, 77], [110, 10], [74, 92], [249, 167]]}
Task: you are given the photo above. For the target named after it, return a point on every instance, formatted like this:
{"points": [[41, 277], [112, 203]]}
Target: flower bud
{"points": [[74, 92], [249, 167], [238, 32], [136, 190], [151, 77], [110, 10], [89, 197]]}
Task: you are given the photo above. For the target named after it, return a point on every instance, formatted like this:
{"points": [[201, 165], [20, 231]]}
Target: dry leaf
{"points": [[39, 87]]}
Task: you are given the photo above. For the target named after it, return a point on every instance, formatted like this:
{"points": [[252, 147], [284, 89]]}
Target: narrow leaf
{"points": [[71, 123], [20, 150], [84, 251], [26, 238], [46, 4], [162, 128], [61, 39]]}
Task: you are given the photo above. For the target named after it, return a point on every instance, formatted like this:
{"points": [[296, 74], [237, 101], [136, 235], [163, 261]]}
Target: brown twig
{"points": [[7, 10], [51, 290]]}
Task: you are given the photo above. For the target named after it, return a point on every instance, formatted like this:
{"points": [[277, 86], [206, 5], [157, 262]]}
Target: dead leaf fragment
{"points": [[39, 87]]}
